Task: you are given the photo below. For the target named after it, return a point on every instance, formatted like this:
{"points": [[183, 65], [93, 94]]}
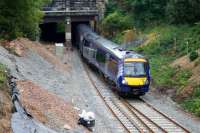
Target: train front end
{"points": [[135, 76]]}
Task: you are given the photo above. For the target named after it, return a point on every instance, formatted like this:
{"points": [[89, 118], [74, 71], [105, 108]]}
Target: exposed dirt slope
{"points": [[39, 102], [5, 110], [20, 47], [185, 63]]}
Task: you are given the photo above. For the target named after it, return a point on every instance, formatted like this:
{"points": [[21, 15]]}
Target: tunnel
{"points": [[55, 32], [74, 31], [52, 32]]}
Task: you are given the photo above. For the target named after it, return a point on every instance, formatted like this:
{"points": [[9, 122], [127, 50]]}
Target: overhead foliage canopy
{"points": [[153, 12], [20, 18]]}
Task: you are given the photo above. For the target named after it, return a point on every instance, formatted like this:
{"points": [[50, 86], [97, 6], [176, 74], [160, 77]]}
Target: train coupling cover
{"points": [[87, 119]]}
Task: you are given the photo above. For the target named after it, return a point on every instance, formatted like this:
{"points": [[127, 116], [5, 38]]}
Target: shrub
{"points": [[2, 75], [193, 55], [193, 104], [182, 78]]}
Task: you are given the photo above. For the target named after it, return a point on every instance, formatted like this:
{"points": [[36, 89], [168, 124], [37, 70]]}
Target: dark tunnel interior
{"points": [[50, 32], [74, 31]]}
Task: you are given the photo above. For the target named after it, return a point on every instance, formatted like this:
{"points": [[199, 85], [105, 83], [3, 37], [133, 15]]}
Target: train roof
{"points": [[106, 44]]}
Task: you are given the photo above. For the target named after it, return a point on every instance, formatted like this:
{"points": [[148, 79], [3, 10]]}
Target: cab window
{"points": [[134, 69]]}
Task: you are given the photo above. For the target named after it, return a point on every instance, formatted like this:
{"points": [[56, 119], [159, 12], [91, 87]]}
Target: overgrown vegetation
{"points": [[20, 18], [3, 77], [192, 104], [193, 55], [5, 102], [172, 30]]}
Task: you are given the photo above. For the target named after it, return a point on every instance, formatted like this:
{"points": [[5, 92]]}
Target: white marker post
{"points": [[59, 50]]}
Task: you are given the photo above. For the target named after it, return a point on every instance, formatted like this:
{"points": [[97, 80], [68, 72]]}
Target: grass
{"points": [[5, 102], [3, 76], [193, 104]]}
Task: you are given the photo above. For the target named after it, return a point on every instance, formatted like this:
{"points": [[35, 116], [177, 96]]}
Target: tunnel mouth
{"points": [[74, 31], [52, 32]]}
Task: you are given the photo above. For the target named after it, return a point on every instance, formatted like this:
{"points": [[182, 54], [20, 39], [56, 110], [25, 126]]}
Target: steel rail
{"points": [[110, 108], [165, 116], [131, 107]]}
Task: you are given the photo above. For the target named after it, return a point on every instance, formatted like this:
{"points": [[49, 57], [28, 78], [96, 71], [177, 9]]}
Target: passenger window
{"points": [[112, 66], [101, 57], [86, 43]]}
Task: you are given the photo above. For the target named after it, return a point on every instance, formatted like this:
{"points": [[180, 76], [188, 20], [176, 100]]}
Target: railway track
{"points": [[154, 119], [136, 116]]}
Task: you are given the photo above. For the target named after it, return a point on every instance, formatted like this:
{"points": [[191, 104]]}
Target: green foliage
{"points": [[183, 11], [116, 22], [111, 7], [147, 12], [193, 104], [61, 27], [3, 76], [182, 77], [161, 73], [193, 55], [161, 52], [153, 12], [20, 18], [118, 38]]}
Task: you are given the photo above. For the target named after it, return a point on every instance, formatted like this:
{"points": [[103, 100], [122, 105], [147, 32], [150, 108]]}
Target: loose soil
{"points": [[42, 104], [184, 63], [5, 110]]}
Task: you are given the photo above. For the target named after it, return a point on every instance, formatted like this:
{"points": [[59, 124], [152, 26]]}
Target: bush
{"points": [[193, 104], [161, 73], [116, 22], [193, 55], [182, 78], [2, 75]]}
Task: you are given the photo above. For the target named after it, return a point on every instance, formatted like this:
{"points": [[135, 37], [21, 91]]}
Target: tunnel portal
{"points": [[69, 13]]}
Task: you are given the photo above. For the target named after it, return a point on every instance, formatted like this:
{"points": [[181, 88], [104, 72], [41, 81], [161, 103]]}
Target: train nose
{"points": [[133, 81]]}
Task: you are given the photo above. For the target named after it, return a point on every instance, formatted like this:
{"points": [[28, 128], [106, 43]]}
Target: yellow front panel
{"points": [[135, 81], [135, 60]]}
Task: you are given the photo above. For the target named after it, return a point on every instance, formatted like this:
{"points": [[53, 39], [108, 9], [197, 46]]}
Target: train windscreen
{"points": [[134, 69]]}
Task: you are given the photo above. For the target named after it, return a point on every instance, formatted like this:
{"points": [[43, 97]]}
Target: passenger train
{"points": [[128, 70]]}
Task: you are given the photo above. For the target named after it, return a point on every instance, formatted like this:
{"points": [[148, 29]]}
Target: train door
{"points": [[106, 65], [101, 59], [112, 68], [89, 51]]}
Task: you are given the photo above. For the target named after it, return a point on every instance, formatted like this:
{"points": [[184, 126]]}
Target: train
{"points": [[126, 69]]}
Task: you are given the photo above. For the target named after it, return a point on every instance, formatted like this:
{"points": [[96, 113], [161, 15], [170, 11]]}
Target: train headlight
{"points": [[124, 82], [146, 82]]}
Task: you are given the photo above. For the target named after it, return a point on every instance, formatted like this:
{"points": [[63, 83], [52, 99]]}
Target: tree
{"points": [[183, 11], [116, 22], [20, 18], [145, 11]]}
